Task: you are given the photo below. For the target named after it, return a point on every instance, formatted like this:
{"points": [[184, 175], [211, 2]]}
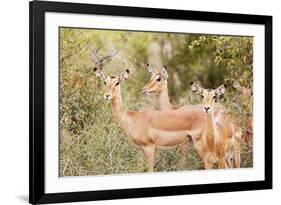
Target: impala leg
{"points": [[237, 161], [183, 151], [149, 152], [222, 163], [237, 149], [207, 164]]}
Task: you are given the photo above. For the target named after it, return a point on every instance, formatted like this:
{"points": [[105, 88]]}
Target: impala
{"points": [[149, 129], [246, 92], [247, 96], [158, 86], [218, 142]]}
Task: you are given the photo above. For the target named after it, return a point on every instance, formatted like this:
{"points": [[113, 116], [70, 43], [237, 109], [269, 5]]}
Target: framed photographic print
{"points": [[141, 102]]}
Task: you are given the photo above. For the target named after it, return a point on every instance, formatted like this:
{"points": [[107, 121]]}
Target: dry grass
{"points": [[92, 144]]}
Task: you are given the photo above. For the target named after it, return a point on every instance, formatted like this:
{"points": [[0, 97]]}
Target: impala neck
{"points": [[163, 98], [209, 126], [116, 107]]}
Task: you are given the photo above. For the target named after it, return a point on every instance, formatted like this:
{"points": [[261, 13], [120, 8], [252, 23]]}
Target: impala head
{"points": [[157, 80], [112, 83], [209, 96]]}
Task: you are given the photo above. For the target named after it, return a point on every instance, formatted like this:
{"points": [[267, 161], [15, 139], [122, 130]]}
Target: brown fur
{"points": [[150, 129], [160, 90], [219, 137]]}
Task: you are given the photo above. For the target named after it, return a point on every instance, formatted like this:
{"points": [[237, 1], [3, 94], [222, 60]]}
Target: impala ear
{"points": [[196, 88], [99, 74], [151, 69], [164, 73], [124, 75], [220, 90]]}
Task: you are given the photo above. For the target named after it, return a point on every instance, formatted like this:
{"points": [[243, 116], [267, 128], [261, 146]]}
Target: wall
{"points": [[14, 99]]}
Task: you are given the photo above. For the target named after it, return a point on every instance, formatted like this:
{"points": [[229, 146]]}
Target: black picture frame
{"points": [[37, 9]]}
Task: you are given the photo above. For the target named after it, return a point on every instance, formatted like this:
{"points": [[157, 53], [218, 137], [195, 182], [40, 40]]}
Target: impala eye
{"points": [[202, 96], [158, 79], [214, 97], [117, 84], [104, 83]]}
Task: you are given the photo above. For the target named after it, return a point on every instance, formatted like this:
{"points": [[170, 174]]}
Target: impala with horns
{"points": [[101, 60], [218, 143], [149, 129], [158, 87]]}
